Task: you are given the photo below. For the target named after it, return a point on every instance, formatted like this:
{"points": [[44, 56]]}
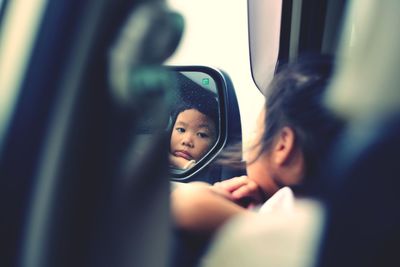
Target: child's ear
{"points": [[284, 145]]}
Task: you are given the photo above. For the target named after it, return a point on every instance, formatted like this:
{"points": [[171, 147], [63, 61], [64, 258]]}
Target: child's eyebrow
{"points": [[204, 126], [182, 123], [207, 128]]}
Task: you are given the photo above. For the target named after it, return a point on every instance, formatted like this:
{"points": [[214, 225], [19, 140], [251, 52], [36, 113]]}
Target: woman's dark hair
{"points": [[295, 99]]}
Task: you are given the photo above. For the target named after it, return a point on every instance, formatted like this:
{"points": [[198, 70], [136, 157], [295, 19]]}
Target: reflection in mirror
{"points": [[194, 120]]}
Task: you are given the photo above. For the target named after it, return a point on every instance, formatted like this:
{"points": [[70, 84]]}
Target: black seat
{"points": [[363, 215]]}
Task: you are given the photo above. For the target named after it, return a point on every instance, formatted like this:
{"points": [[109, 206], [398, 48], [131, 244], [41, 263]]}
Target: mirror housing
{"points": [[229, 130]]}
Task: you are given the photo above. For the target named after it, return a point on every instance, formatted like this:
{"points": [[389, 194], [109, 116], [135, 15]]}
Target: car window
{"points": [[218, 37], [264, 34]]}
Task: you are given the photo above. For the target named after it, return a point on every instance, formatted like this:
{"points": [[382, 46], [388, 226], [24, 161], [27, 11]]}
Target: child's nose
{"points": [[188, 140]]}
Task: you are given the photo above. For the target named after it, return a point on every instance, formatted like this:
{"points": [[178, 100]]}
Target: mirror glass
{"points": [[194, 125]]}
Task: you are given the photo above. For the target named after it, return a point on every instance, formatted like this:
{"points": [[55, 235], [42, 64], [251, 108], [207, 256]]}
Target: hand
{"points": [[240, 189], [180, 162]]}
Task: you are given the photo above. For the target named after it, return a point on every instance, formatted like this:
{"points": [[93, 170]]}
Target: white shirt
{"points": [[286, 233], [282, 201]]}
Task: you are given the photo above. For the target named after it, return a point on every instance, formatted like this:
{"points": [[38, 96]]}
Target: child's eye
{"points": [[180, 129], [202, 135]]}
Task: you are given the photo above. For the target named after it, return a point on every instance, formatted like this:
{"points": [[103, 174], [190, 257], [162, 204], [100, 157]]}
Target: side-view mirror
{"points": [[204, 120]]}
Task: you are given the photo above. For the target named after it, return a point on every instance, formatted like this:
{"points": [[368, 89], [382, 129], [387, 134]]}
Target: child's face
{"points": [[193, 135]]}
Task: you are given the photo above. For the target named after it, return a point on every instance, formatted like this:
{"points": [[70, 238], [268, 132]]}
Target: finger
{"points": [[249, 190], [242, 192], [222, 192], [233, 184], [178, 161]]}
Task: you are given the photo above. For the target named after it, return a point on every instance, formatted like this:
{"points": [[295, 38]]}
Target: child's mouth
{"points": [[183, 154]]}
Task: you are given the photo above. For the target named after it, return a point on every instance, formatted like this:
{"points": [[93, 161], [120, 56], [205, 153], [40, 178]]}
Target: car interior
{"points": [[85, 125]]}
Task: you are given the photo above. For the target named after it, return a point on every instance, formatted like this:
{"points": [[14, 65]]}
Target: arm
{"points": [[197, 207]]}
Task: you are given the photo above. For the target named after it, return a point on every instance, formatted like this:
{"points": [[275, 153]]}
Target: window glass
{"points": [[216, 34], [264, 29]]}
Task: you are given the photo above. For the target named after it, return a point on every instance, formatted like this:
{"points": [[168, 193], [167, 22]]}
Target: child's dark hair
{"points": [[208, 109], [192, 96], [295, 99], [204, 102]]}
